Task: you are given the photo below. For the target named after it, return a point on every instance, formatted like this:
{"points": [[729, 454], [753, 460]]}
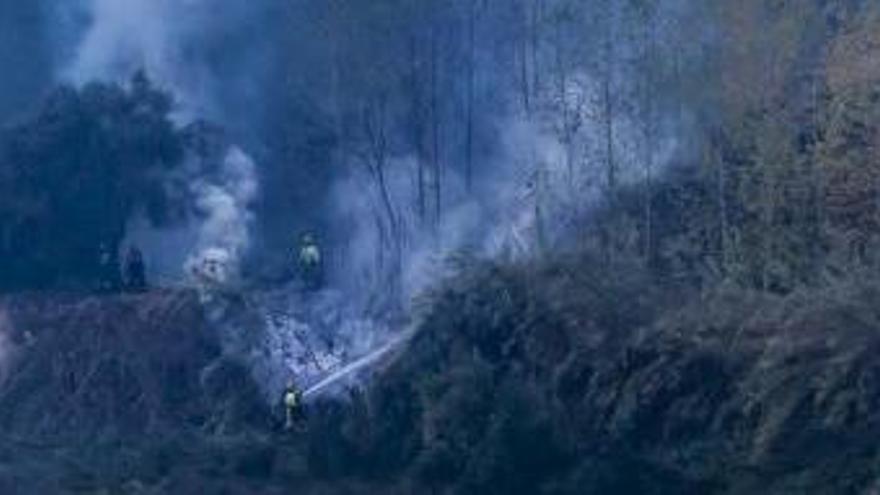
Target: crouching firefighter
{"points": [[294, 418]]}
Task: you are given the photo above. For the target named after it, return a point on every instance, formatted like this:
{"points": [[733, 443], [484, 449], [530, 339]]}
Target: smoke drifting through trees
{"points": [[401, 129], [484, 126], [218, 182]]}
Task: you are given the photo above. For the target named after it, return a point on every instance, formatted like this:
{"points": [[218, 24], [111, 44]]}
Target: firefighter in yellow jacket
{"points": [[310, 262], [293, 414]]}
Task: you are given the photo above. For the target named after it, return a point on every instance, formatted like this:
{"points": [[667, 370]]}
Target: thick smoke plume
{"points": [[117, 39], [223, 203]]}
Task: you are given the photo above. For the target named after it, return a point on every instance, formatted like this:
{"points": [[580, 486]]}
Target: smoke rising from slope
{"points": [[224, 205], [526, 202], [164, 39], [540, 172]]}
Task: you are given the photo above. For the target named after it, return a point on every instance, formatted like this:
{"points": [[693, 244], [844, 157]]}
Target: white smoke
{"points": [[122, 37], [545, 178], [499, 218], [223, 203]]}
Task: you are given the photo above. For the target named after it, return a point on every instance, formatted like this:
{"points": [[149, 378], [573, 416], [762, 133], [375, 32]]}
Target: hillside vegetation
{"points": [[662, 224], [570, 379], [559, 379]]}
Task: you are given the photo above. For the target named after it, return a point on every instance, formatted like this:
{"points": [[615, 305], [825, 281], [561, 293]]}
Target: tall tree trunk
{"points": [[717, 159], [435, 131], [418, 131], [608, 126], [650, 49], [469, 158], [766, 219], [817, 191], [567, 129], [336, 77], [609, 234], [537, 18], [374, 122], [522, 62]]}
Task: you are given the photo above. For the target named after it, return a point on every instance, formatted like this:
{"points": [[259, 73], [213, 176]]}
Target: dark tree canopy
{"points": [[73, 175]]}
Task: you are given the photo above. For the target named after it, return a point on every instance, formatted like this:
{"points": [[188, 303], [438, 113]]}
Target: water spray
{"points": [[358, 364]]}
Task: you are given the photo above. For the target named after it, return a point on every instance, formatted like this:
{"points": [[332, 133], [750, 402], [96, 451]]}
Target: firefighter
{"points": [[293, 413], [108, 267], [310, 262], [135, 270]]}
